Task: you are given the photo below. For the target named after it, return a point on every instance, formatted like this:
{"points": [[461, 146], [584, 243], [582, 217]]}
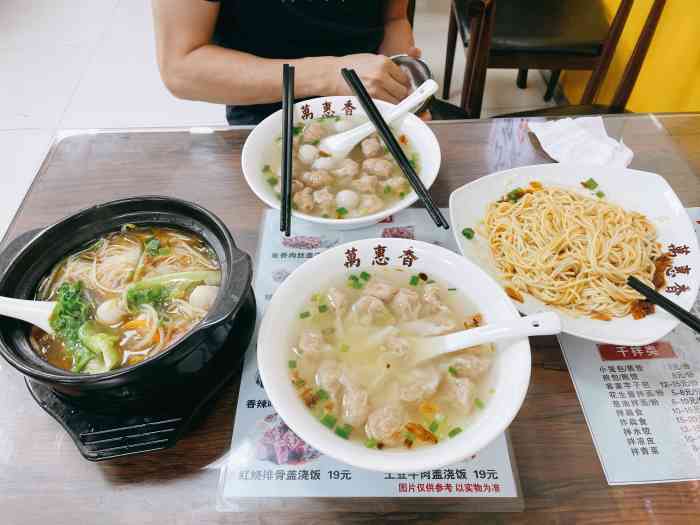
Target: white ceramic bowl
{"points": [[634, 190], [258, 142], [509, 375]]}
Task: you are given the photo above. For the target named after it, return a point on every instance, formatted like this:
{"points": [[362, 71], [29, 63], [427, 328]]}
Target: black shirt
{"points": [[295, 29]]}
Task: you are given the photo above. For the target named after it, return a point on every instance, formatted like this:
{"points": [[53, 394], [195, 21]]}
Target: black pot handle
{"points": [[12, 248]]}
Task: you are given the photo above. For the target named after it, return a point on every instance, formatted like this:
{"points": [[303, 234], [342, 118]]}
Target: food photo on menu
{"points": [[296, 270]]}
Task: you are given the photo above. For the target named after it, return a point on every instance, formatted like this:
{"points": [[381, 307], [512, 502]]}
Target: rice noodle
{"points": [[108, 268], [151, 316]]}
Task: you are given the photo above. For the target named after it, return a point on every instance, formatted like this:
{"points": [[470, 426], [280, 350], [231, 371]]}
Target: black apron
{"points": [[296, 29]]}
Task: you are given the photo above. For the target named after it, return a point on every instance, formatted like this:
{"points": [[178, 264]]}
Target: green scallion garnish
{"points": [[434, 426], [344, 347], [328, 420], [304, 315], [452, 370], [371, 443], [322, 308], [272, 181], [322, 394], [468, 233], [344, 431], [387, 189], [452, 433], [341, 212], [266, 168], [365, 276], [479, 403], [292, 363], [414, 280], [600, 194], [515, 195], [299, 382], [590, 184]]}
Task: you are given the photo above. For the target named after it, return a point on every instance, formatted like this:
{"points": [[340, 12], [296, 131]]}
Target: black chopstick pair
{"points": [[656, 298], [287, 137], [353, 80]]}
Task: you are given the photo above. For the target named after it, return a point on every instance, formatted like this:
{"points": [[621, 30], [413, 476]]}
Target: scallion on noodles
{"points": [[573, 251]]}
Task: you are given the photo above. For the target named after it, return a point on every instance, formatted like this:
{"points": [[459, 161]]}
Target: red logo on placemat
{"points": [[658, 350]]}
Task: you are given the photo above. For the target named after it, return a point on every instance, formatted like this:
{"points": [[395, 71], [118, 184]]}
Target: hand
{"points": [[414, 52], [382, 78]]}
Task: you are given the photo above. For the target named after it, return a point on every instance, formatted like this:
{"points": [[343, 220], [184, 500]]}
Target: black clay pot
{"points": [[179, 371]]}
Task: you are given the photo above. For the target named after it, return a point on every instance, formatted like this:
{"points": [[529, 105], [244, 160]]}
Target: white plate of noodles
{"points": [[565, 238]]}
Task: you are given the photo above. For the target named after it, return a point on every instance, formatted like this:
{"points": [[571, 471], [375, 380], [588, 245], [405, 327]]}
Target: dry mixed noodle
{"points": [[574, 251]]}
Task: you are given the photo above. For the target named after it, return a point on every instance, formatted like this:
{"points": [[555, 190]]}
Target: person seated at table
{"points": [[231, 51]]}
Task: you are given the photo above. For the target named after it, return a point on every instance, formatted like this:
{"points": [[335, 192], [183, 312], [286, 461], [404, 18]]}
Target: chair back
{"points": [[482, 15]]}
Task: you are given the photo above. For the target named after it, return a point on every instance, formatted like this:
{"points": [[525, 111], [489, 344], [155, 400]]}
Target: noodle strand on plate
{"points": [[572, 251]]}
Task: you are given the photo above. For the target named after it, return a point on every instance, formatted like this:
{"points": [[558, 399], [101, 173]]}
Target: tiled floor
{"points": [[91, 64]]}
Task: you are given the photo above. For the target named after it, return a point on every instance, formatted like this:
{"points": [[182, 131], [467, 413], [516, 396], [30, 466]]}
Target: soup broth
{"points": [[367, 181], [125, 298], [352, 362]]}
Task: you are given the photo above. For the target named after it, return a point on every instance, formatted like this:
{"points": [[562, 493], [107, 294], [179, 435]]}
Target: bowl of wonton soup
{"points": [[316, 368], [378, 195]]}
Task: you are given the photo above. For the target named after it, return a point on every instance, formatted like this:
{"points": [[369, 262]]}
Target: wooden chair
{"points": [[627, 82], [531, 34]]}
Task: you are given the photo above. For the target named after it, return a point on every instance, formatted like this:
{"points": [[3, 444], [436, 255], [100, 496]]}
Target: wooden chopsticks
{"points": [[287, 136], [380, 124], [655, 297]]}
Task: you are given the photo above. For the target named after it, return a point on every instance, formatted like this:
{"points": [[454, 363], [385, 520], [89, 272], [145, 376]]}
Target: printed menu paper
{"points": [[267, 460], [642, 404]]}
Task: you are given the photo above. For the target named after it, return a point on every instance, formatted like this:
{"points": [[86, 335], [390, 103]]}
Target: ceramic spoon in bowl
{"points": [[33, 312], [546, 323], [340, 145]]}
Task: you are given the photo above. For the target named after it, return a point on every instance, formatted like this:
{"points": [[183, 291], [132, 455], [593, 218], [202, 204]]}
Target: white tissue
{"points": [[582, 141]]}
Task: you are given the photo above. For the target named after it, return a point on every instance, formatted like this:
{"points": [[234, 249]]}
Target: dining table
{"points": [[44, 479]]}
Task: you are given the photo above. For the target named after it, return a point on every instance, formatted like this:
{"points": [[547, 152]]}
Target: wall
{"points": [[670, 78]]}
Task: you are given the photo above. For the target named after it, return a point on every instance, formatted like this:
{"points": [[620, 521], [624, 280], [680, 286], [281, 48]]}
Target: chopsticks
{"points": [[655, 297], [380, 124], [287, 136]]}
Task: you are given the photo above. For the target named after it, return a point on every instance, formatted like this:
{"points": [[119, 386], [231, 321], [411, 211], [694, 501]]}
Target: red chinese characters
{"points": [[328, 110], [408, 257], [351, 258], [380, 256], [677, 289], [657, 350], [673, 271], [306, 113], [675, 251], [348, 107]]}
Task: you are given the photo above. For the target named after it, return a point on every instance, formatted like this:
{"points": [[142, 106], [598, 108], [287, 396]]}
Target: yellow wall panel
{"points": [[670, 78]]}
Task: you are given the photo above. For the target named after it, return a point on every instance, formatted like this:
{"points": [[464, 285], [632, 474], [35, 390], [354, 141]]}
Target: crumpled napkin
{"points": [[582, 141]]}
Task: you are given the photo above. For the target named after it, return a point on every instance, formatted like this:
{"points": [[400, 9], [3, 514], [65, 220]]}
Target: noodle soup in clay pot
{"points": [[335, 346], [148, 291]]}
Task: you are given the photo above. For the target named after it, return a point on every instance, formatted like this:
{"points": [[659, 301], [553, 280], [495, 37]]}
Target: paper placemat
{"points": [[642, 404], [270, 468]]}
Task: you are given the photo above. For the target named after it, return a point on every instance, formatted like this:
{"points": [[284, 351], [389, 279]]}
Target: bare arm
{"points": [[398, 33], [194, 68]]}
